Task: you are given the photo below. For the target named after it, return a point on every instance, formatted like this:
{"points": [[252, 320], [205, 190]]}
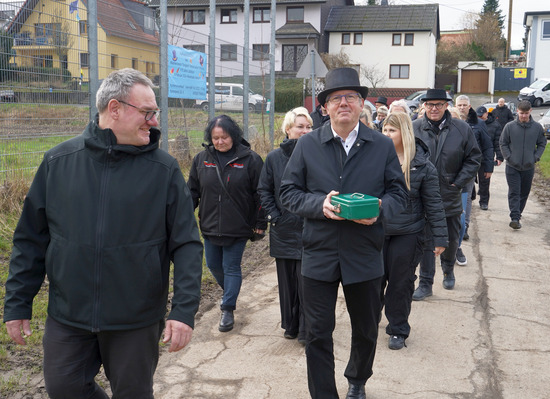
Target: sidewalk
{"points": [[487, 338]]}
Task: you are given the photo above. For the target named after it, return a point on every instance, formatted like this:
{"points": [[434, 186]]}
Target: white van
{"points": [[538, 93], [229, 97]]}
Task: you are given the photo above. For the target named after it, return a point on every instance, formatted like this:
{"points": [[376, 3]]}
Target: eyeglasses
{"points": [[432, 105], [351, 98], [148, 114]]}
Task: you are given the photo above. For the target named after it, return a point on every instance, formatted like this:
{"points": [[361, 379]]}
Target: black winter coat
{"points": [[285, 232], [483, 141], [317, 118], [218, 215], [342, 249], [455, 154], [424, 202], [494, 130], [503, 115], [104, 221]]}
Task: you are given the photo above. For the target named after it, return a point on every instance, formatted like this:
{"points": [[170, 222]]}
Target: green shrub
{"points": [[288, 94]]}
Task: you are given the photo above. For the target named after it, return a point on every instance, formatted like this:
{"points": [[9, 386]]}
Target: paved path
{"points": [[488, 338]]}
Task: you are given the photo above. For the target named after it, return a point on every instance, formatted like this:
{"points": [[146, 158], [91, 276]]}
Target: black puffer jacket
{"points": [[424, 202], [454, 152], [285, 232], [103, 221], [218, 215], [494, 130], [483, 141], [503, 115]]}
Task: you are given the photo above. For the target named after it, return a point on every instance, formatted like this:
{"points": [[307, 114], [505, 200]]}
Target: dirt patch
{"points": [[24, 364]]}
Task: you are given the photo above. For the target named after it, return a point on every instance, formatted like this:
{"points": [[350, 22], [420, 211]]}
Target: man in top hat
{"points": [[342, 157], [456, 156], [380, 102]]}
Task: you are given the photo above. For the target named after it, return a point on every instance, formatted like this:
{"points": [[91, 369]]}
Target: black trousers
{"points": [[363, 304], [519, 187], [401, 256], [289, 277], [483, 190], [72, 358]]}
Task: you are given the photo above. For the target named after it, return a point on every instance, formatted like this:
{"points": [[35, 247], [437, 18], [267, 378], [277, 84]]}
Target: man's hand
{"points": [[329, 209], [487, 175], [17, 329], [178, 333], [438, 250], [368, 221], [498, 162]]}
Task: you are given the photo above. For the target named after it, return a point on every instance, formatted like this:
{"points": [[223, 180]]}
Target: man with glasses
{"points": [[106, 214], [343, 156], [456, 156]]}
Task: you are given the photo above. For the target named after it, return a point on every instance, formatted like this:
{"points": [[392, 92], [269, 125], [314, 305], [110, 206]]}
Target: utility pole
{"points": [[507, 55]]}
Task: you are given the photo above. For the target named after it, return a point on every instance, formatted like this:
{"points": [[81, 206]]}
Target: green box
{"points": [[356, 206]]}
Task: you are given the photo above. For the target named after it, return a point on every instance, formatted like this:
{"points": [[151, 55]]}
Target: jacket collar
{"points": [[364, 133]]}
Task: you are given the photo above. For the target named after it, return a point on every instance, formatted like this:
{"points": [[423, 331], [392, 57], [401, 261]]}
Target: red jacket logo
{"points": [[236, 165], [209, 164]]}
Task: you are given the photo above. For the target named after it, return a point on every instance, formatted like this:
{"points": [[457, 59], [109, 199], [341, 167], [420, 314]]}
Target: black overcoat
{"points": [[336, 249]]}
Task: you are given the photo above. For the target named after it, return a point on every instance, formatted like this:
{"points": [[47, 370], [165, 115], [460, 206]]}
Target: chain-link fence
{"points": [[46, 64]]}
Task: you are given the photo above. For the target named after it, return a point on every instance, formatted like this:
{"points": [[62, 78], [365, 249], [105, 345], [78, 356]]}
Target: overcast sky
{"points": [[451, 12]]}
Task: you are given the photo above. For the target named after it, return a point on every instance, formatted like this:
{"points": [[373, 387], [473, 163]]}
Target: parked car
{"points": [[229, 97], [537, 94], [545, 122], [512, 106], [7, 96]]}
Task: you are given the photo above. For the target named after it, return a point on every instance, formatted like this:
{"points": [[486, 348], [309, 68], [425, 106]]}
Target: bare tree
{"points": [[335, 60], [375, 76]]}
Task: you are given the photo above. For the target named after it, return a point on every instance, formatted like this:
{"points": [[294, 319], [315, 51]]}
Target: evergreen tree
{"points": [[491, 8]]}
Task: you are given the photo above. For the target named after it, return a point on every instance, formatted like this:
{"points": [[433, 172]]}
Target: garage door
{"points": [[475, 82]]}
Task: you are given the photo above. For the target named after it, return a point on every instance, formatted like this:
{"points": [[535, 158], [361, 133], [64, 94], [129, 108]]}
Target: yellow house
{"points": [[54, 34]]}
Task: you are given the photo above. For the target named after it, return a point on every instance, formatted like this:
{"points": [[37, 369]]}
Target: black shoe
{"points": [[448, 280], [396, 342], [466, 235], [227, 321], [356, 391], [515, 224], [289, 335], [461, 258], [484, 207], [302, 338], [422, 292]]}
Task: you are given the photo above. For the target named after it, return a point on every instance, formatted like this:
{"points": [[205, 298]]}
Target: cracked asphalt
{"points": [[487, 338]]}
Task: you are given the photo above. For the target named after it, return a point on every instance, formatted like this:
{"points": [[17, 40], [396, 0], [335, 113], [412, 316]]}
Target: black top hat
{"points": [[481, 110], [382, 100], [341, 79], [435, 94]]}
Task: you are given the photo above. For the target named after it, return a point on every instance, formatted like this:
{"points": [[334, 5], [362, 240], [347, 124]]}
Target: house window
{"points": [[46, 30], [295, 14], [228, 52], [396, 39], [194, 17], [195, 47], [114, 61], [83, 27], [229, 16], [399, 71], [135, 63], [148, 22], [546, 29], [409, 39], [84, 60], [260, 52], [260, 15], [149, 68], [346, 37], [358, 38], [44, 61], [293, 56]]}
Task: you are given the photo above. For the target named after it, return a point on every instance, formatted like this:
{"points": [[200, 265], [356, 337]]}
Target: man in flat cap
{"points": [[344, 157]]}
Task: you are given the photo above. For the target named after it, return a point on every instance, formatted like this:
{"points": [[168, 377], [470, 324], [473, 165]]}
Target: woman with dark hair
{"points": [[223, 181], [285, 233], [404, 242]]}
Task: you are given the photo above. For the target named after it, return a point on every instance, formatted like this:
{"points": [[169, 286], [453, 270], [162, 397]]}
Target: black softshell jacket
{"points": [[103, 221]]}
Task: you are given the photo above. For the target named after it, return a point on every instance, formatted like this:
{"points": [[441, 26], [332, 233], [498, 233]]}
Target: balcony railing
{"points": [[25, 39]]}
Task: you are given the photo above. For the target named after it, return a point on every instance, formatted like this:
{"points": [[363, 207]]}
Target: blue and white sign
{"points": [[186, 73]]}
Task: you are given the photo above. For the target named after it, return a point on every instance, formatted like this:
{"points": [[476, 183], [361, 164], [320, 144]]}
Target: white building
{"points": [[537, 24]]}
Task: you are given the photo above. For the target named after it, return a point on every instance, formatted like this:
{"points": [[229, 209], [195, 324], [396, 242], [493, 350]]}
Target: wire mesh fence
{"points": [[45, 66]]}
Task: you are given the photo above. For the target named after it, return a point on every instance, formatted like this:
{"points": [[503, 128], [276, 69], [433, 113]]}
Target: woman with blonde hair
{"points": [[403, 246], [285, 233]]}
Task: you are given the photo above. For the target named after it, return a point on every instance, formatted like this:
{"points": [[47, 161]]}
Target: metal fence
{"points": [[52, 60]]}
